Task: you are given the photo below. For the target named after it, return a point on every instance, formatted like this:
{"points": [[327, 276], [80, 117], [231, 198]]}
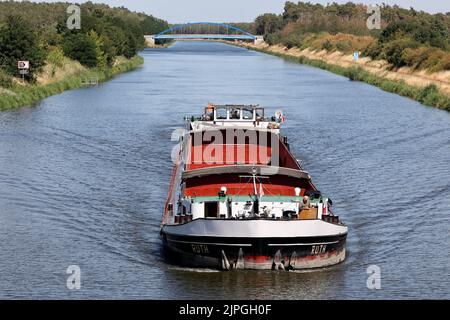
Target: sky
{"points": [[176, 11]]}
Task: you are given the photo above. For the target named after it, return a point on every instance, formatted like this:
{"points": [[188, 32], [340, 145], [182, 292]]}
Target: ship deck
{"points": [[240, 198]]}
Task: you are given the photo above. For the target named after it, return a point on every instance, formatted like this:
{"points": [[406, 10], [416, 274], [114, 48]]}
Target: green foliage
{"points": [[152, 25], [394, 51], [18, 42], [131, 46], [100, 55], [5, 80], [418, 41], [332, 18], [56, 57], [403, 31], [81, 47], [432, 59], [431, 31], [272, 38], [109, 36], [327, 45], [28, 95], [344, 46], [247, 26], [293, 40], [429, 95], [268, 23], [105, 32], [115, 42], [373, 50], [354, 73]]}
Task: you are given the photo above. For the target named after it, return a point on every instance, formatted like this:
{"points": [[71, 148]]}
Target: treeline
{"points": [[407, 37], [38, 32], [421, 41]]}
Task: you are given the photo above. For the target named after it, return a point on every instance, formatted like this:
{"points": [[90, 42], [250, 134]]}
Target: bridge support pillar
{"points": [[258, 40], [149, 41]]}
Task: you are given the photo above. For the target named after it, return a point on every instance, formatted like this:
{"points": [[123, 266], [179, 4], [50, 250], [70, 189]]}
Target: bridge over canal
{"points": [[203, 30]]}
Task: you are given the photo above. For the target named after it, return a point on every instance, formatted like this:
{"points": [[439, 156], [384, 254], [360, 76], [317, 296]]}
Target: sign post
{"points": [[23, 67]]}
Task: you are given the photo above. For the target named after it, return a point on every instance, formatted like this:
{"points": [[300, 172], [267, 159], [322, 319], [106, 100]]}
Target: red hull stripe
{"points": [[210, 186]]}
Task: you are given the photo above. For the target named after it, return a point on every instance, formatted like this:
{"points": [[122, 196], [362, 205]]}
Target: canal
{"points": [[84, 176]]}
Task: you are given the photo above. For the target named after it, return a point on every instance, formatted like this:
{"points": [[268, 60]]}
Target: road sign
{"points": [[23, 64], [356, 55], [23, 71]]}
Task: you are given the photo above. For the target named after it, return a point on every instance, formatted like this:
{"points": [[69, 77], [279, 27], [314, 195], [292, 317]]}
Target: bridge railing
{"points": [[214, 24], [192, 31], [204, 36]]}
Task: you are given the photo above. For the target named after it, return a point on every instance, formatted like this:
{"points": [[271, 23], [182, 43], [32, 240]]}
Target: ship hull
{"points": [[288, 246]]}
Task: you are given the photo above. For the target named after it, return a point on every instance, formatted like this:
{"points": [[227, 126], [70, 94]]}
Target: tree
{"points": [[151, 25], [117, 40], [291, 12], [18, 42], [268, 23], [101, 58], [131, 47], [80, 47], [105, 33]]}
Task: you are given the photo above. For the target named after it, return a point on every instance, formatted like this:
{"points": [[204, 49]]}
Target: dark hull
{"points": [[229, 253]]}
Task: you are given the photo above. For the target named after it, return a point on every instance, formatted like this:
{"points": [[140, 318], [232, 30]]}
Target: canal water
{"points": [[84, 176]]}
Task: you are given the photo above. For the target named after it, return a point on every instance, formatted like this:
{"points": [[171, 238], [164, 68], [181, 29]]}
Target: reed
{"points": [[18, 96]]}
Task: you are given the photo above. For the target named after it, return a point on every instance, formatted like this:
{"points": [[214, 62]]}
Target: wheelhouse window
{"points": [[259, 113], [221, 113], [235, 113], [247, 114]]}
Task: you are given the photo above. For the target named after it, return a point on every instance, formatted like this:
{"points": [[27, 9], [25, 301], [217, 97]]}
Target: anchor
{"points": [[277, 263], [240, 261], [225, 264], [293, 260]]}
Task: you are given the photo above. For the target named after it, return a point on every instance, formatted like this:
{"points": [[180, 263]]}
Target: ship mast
{"points": [[257, 195]]}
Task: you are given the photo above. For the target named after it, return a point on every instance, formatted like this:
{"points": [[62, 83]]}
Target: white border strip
{"points": [[218, 244], [300, 244]]}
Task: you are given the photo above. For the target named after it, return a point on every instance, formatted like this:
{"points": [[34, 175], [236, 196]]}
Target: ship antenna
{"points": [[255, 192]]}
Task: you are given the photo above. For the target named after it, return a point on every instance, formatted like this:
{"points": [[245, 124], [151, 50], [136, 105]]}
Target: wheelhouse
{"points": [[234, 115]]}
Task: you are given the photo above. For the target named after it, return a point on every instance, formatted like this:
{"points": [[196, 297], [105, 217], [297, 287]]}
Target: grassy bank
{"points": [[24, 95], [429, 95]]}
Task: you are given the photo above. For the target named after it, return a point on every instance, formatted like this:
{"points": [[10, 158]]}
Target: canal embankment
{"points": [[56, 79], [43, 57], [431, 89]]}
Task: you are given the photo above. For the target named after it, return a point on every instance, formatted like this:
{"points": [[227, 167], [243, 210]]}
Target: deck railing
{"points": [[166, 216]]}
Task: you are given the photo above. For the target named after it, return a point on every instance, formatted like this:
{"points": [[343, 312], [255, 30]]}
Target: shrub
{"points": [[56, 57], [343, 46], [272, 38], [394, 51], [352, 74], [373, 50], [427, 93], [293, 40], [356, 73], [415, 57], [82, 48], [446, 62], [327, 45], [5, 79], [18, 41]]}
